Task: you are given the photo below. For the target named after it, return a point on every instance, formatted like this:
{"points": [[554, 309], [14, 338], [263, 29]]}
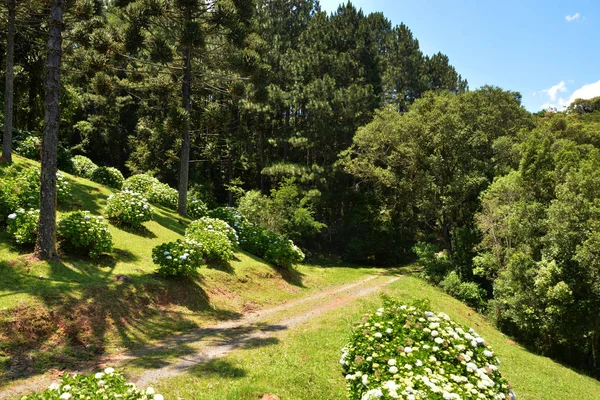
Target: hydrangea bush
{"points": [[29, 147], [63, 188], [84, 167], [108, 176], [128, 208], [109, 384], [269, 245], [164, 195], [179, 258], [82, 232], [212, 224], [228, 214], [8, 198], [27, 187], [406, 352], [196, 208], [216, 246], [22, 225], [140, 183]]}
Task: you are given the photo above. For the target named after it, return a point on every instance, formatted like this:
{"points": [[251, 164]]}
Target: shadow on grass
{"points": [[224, 267], [170, 219], [290, 275], [136, 230], [218, 368]]}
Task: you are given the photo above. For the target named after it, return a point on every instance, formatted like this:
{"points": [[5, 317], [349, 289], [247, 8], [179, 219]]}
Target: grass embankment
{"points": [[68, 313], [303, 363]]}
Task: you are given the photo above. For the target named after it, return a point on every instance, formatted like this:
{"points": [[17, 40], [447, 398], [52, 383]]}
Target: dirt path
{"points": [[206, 344]]}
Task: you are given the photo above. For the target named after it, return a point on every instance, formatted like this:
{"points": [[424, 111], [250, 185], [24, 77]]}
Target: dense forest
{"points": [[334, 130]]}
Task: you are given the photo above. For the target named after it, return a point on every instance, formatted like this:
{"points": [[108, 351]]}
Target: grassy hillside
{"points": [[60, 314], [303, 362]]}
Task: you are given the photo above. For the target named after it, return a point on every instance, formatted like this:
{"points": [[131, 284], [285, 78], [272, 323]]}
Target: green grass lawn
{"points": [[303, 363]]}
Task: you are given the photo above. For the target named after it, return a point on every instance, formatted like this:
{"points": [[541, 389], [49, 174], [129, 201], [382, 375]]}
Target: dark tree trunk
{"points": [[184, 167], [45, 247], [8, 92]]}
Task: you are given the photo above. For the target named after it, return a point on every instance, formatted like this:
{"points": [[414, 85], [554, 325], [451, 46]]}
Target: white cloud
{"points": [[559, 87], [585, 92], [573, 17]]}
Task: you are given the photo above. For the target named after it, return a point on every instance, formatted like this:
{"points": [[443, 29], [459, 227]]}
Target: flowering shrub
{"points": [[216, 246], [141, 183], [179, 258], [23, 225], [164, 195], [403, 352], [269, 245], [27, 187], [29, 147], [63, 188], [228, 214], [128, 208], [84, 167], [196, 208], [109, 384], [108, 176], [8, 198], [81, 231], [212, 224]]}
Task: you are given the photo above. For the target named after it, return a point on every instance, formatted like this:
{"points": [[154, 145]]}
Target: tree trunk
{"points": [[8, 92], [184, 167], [45, 247]]}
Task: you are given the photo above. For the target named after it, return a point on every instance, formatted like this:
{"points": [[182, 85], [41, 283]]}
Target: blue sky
{"points": [[546, 50]]}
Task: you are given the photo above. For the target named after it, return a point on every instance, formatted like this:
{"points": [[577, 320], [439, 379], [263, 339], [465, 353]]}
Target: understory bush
{"points": [[8, 198], [196, 208], [23, 225], [29, 147], [63, 189], [212, 224], [83, 166], [468, 292], [108, 176], [128, 208], [109, 384], [228, 214], [216, 246], [407, 352], [436, 264], [164, 195], [179, 258], [269, 245], [80, 231]]}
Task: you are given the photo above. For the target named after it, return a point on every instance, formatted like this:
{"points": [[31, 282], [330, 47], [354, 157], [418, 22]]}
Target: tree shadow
{"points": [[224, 267], [290, 275], [170, 219], [218, 368], [135, 230]]}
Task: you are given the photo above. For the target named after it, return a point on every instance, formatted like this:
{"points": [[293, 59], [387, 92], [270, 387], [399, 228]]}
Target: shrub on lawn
{"points": [[196, 208], [23, 225], [29, 147], [468, 292], [81, 232], [83, 166], [109, 384], [212, 224], [63, 188], [411, 353], [8, 198], [228, 214], [108, 176], [140, 183], [283, 252], [27, 187], [179, 258], [269, 245], [164, 195], [128, 208]]}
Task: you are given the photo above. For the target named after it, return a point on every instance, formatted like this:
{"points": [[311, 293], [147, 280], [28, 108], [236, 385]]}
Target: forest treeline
{"points": [[354, 141]]}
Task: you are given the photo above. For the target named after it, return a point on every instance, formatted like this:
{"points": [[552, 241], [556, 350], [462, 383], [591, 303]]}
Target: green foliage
{"points": [[178, 259], [128, 208], [83, 166], [228, 214], [140, 183], [8, 198], [269, 245], [29, 147], [283, 252], [107, 384], [401, 351], [63, 189], [468, 292], [164, 195], [196, 208], [436, 264], [212, 224], [81, 232], [23, 225], [216, 246], [108, 176], [285, 211]]}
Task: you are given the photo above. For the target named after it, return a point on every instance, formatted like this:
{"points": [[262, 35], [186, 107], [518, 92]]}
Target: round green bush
{"points": [[283, 252], [216, 246], [27, 187], [406, 352], [179, 258], [63, 188], [8, 198], [29, 147], [83, 166], [269, 245], [212, 224], [108, 176], [80, 231], [109, 384], [228, 214], [196, 208], [23, 225], [128, 208], [140, 183], [164, 195]]}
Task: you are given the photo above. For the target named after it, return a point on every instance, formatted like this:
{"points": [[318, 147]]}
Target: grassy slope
{"points": [[304, 362], [62, 312]]}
